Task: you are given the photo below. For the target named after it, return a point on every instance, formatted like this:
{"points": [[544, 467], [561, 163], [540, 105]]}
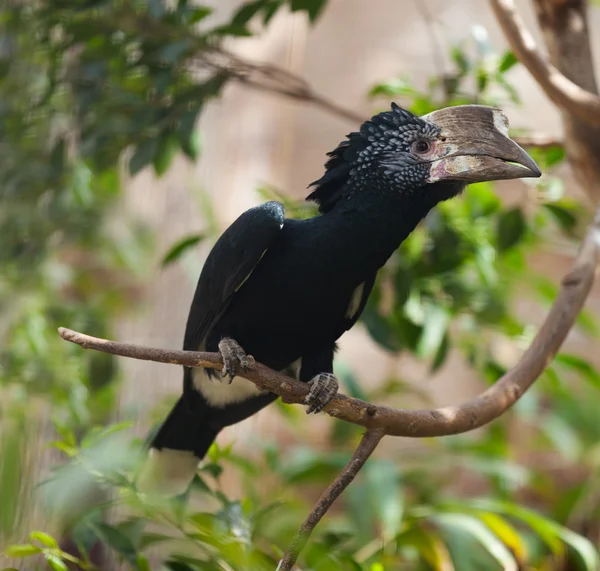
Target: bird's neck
{"points": [[370, 227]]}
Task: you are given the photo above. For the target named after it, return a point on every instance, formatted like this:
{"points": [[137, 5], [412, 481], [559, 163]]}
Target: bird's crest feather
{"points": [[332, 185]]}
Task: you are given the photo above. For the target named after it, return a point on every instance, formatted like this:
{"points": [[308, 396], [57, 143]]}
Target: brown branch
{"points": [[560, 89], [477, 412], [367, 445]]}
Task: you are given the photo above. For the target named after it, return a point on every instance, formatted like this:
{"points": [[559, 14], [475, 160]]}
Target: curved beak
{"points": [[474, 146]]}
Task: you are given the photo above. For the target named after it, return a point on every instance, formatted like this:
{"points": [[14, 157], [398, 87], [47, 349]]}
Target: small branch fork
{"points": [[380, 420], [566, 94]]}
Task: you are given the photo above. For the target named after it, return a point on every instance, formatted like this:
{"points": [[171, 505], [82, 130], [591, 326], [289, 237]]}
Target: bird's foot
{"points": [[233, 355], [323, 388]]}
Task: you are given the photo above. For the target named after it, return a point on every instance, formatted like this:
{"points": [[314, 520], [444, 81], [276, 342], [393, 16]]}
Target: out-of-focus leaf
{"points": [[56, 562], [143, 156], [460, 59], [232, 30], [429, 544], [351, 382], [115, 539], [168, 147], [312, 7], [586, 554], [581, 366], [21, 550], [511, 229], [180, 247], [434, 329], [45, 539], [474, 527], [563, 216], [545, 528], [507, 533], [508, 60], [386, 498], [247, 11]]}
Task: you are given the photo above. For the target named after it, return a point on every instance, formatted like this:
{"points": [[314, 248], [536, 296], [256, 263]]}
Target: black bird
{"points": [[285, 290]]}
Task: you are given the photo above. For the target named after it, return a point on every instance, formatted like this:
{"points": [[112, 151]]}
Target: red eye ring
{"points": [[421, 147]]}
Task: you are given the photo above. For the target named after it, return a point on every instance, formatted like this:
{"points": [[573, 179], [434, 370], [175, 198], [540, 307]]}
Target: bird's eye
{"points": [[421, 147]]}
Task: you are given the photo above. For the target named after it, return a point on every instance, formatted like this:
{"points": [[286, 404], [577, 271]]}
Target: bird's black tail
{"points": [[180, 443]]}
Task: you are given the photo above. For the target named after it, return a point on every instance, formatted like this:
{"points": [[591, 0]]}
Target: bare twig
{"points": [[437, 49], [367, 445], [537, 141], [560, 89]]}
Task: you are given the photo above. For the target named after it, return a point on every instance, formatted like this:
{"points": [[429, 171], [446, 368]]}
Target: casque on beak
{"points": [[474, 146]]}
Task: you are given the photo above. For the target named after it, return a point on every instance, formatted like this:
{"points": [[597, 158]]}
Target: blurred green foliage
{"points": [[88, 84]]}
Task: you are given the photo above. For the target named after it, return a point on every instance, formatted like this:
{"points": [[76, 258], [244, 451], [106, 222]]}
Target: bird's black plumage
{"points": [[286, 290]]}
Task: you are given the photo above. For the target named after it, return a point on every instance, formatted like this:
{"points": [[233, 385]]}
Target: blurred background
{"points": [[132, 134]]}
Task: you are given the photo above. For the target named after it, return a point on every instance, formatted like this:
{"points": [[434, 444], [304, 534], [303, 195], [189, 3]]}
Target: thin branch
{"points": [[477, 412], [366, 447], [559, 88], [437, 49], [537, 141]]}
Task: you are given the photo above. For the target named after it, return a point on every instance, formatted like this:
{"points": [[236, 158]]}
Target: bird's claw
{"points": [[233, 355], [323, 388]]}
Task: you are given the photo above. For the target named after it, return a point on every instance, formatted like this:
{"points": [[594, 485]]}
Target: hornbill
{"points": [[285, 290]]}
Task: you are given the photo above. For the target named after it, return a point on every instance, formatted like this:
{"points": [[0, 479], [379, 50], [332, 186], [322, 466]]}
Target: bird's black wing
{"points": [[229, 265]]}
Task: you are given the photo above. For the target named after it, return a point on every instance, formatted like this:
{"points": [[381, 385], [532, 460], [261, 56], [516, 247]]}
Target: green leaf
{"points": [[511, 229], [545, 528], [564, 216], [442, 353], [180, 247], [587, 554], [508, 60], [115, 539], [381, 329], [507, 533], [142, 563], [460, 59], [474, 527], [554, 155], [434, 330], [56, 562], [143, 155], [191, 145], [580, 366], [21, 550], [168, 147], [45, 539], [232, 30], [312, 7], [385, 493], [199, 13], [247, 11]]}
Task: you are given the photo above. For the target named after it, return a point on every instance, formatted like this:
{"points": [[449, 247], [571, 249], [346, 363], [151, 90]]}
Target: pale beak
{"points": [[474, 146]]}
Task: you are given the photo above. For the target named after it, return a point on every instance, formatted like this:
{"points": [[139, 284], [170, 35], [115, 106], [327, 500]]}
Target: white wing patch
{"points": [[221, 393], [355, 301]]}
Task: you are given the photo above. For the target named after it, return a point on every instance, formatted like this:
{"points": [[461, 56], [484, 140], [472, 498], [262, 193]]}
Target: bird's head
{"points": [[437, 155]]}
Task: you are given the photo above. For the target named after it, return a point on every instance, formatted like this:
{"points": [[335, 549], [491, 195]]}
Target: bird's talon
{"points": [[232, 355], [323, 389]]}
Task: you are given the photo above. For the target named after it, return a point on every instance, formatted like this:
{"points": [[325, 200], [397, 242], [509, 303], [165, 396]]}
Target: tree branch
{"points": [[366, 447], [560, 89], [477, 412]]}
